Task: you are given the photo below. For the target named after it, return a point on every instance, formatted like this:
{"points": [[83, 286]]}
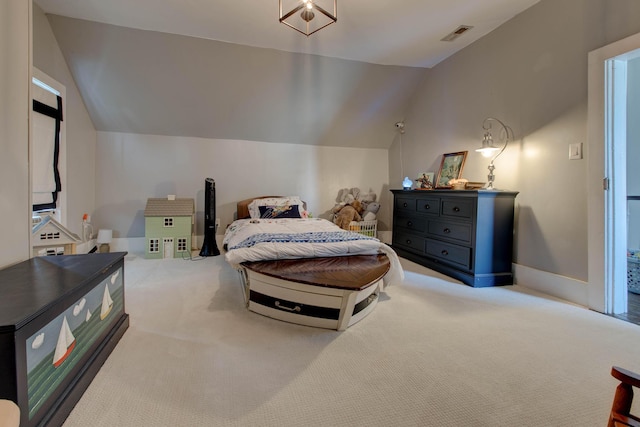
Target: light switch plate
{"points": [[575, 151]]}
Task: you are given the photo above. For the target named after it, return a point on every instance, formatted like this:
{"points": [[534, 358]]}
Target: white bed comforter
{"points": [[270, 239]]}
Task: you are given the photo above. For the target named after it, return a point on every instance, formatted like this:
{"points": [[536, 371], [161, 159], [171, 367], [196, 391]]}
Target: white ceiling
{"points": [[389, 32]]}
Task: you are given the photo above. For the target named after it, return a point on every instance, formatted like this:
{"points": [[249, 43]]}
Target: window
{"points": [[168, 222], [47, 121], [182, 244], [47, 178], [154, 246]]}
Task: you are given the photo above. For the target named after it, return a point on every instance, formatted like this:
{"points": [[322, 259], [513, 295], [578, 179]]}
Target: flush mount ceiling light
{"points": [[308, 16]]}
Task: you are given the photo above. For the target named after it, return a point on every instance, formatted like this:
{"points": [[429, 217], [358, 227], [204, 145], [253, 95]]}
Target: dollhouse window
{"points": [[168, 222], [49, 236], [182, 244], [154, 245]]}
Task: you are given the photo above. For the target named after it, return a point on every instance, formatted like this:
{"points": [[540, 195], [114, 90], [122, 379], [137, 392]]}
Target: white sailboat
{"points": [[66, 344], [88, 315], [107, 303]]}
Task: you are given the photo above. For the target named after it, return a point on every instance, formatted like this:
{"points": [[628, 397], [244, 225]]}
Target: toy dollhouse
{"points": [[49, 237], [168, 227]]}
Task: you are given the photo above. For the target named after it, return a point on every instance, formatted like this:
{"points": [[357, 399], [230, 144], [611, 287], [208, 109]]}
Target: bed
{"points": [[306, 270]]}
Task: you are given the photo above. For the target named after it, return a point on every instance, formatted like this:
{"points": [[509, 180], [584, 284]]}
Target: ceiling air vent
{"points": [[456, 33]]}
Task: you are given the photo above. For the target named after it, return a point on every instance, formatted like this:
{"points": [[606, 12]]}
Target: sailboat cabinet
{"points": [[60, 318]]}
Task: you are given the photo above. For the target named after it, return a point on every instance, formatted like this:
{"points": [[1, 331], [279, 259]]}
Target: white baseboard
{"points": [[566, 288], [137, 245], [133, 245]]}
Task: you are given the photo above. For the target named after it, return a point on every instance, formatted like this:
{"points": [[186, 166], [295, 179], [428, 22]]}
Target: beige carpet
{"points": [[434, 352]]}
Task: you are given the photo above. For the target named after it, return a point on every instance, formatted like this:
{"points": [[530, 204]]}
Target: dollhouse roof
{"points": [[166, 207], [49, 231]]}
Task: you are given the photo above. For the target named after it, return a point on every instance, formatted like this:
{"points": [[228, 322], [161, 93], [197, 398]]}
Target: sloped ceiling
{"points": [[150, 81], [398, 32]]}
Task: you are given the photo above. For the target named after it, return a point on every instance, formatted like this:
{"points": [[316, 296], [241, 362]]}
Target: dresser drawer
{"points": [[407, 223], [428, 205], [405, 204], [451, 230], [457, 208], [450, 253], [409, 241]]}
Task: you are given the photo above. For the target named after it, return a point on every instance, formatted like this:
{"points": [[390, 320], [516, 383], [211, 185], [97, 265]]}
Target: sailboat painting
{"points": [[56, 351], [66, 344], [107, 303]]}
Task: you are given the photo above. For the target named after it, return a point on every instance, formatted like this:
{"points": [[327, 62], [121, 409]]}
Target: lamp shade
{"points": [[104, 236], [488, 149]]}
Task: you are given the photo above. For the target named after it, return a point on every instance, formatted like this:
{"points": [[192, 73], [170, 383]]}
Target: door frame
{"points": [[606, 142]]}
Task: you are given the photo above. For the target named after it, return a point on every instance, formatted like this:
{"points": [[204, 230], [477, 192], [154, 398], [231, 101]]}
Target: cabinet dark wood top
{"points": [[30, 287], [457, 193]]}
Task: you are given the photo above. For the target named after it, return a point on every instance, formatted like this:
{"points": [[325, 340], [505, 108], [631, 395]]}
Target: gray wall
{"points": [[15, 18], [145, 82], [198, 95], [133, 167], [532, 74]]}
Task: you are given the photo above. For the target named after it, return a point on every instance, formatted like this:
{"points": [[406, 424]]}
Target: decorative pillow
{"points": [[254, 206], [286, 211]]}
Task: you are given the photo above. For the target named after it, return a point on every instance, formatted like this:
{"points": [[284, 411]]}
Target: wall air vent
{"points": [[456, 33]]}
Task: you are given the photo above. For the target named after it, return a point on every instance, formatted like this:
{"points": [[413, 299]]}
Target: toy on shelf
{"points": [[49, 237]]}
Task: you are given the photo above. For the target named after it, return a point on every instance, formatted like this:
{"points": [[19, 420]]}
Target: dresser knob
{"points": [[409, 224], [408, 242], [427, 207], [446, 231], [405, 205], [444, 252], [456, 209]]}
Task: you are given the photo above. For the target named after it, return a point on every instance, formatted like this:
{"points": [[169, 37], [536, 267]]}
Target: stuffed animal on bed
{"points": [[366, 198], [371, 211], [345, 196], [347, 213]]}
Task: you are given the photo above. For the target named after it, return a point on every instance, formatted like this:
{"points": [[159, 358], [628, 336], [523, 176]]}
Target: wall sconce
{"points": [[312, 17], [489, 149]]}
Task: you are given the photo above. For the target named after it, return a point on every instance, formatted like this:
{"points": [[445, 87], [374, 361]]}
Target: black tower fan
{"points": [[209, 246]]}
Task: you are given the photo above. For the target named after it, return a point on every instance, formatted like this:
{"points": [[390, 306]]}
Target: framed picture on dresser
{"points": [[450, 168]]}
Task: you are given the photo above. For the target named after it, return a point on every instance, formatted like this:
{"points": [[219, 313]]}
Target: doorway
{"points": [[609, 98], [632, 313]]}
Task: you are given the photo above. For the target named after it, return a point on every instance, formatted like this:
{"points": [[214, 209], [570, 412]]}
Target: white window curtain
{"points": [[47, 116]]}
